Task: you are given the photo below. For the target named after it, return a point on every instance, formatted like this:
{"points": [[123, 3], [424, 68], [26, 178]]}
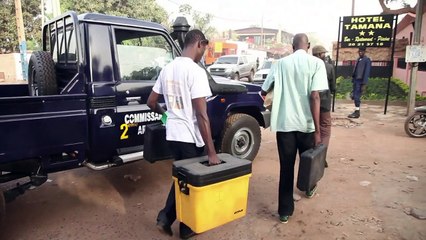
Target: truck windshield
{"points": [[227, 60], [141, 55], [266, 65]]}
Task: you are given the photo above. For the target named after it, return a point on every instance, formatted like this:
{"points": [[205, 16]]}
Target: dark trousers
{"points": [[288, 144], [180, 151], [357, 92]]}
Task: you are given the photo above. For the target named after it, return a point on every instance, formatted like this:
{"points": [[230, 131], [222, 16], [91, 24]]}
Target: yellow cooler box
{"points": [[210, 196]]}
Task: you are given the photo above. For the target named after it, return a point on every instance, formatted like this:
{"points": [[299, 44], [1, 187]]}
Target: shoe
{"points": [[284, 219], [326, 164], [164, 228], [355, 114], [311, 193], [185, 232]]}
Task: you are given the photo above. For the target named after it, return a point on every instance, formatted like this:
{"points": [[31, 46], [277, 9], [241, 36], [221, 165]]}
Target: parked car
{"points": [[85, 102], [262, 73], [233, 67]]}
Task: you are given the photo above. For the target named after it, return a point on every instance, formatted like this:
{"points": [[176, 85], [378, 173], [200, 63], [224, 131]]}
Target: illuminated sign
{"points": [[367, 31]]}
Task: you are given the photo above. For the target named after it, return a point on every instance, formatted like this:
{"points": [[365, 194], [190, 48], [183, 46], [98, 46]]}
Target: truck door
{"points": [[244, 67], [140, 55]]}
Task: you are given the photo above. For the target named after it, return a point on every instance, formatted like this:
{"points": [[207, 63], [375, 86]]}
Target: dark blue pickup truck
{"points": [[85, 102]]}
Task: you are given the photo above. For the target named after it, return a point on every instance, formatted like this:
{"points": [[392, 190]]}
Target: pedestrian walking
{"points": [[295, 117], [184, 86], [325, 96]]}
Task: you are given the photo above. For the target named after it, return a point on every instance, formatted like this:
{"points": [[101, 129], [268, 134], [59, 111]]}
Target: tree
{"points": [[147, 10], [32, 25], [201, 21], [406, 8]]}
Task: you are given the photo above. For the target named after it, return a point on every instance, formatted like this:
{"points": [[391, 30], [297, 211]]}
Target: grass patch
{"points": [[376, 89]]}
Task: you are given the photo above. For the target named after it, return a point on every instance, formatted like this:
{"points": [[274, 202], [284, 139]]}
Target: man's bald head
{"points": [[300, 41]]}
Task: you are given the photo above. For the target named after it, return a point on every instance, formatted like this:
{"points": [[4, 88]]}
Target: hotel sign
{"points": [[367, 31]]}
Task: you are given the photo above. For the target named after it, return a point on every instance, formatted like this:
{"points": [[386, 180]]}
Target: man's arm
{"points": [[366, 70], [200, 107], [315, 110], [153, 103]]}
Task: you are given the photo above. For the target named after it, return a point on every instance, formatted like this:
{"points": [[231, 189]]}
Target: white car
{"points": [[263, 71]]}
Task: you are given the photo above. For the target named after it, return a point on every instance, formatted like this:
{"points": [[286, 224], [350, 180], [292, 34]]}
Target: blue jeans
{"points": [[357, 92]]}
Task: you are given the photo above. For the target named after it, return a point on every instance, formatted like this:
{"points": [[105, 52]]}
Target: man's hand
{"points": [[317, 140], [214, 160]]}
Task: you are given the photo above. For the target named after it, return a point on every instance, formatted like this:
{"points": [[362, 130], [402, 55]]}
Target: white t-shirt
{"points": [[179, 82]]}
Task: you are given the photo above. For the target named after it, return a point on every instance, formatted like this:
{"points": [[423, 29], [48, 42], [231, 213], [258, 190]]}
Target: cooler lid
{"points": [[197, 172]]}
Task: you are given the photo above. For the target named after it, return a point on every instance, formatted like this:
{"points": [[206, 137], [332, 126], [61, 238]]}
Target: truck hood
{"points": [[222, 66], [232, 83], [263, 71]]}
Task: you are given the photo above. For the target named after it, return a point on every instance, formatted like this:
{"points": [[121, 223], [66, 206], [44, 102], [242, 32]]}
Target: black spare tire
{"points": [[41, 74]]}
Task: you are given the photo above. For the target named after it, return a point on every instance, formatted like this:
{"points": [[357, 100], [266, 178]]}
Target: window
{"points": [[141, 55], [401, 63], [67, 47]]}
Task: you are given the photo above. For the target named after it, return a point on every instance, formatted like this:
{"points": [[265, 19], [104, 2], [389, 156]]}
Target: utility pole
{"points": [[415, 65], [21, 38], [353, 8]]}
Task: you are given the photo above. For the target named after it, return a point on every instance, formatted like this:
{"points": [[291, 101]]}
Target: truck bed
{"points": [[38, 126]]}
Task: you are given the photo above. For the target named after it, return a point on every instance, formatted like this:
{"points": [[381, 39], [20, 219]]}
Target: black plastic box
{"points": [[197, 172], [311, 167]]}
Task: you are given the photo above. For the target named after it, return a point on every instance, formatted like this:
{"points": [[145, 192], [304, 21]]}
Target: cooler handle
{"points": [[206, 163]]}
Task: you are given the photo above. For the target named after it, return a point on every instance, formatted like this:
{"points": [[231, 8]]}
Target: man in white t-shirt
{"points": [[184, 86]]}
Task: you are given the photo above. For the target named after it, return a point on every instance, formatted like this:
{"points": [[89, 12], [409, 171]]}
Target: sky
{"points": [[294, 16]]}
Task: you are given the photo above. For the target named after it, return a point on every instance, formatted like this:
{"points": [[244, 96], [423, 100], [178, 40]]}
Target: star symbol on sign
{"points": [[371, 33], [362, 33]]}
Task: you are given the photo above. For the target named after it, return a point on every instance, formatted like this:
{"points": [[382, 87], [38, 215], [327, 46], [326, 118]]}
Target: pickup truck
{"points": [[233, 67], [85, 101]]}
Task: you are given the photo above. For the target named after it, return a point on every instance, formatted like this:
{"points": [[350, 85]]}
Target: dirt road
{"points": [[376, 182]]}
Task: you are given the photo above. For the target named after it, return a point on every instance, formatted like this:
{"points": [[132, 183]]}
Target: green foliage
{"points": [[201, 21], [376, 89], [32, 25], [147, 10]]}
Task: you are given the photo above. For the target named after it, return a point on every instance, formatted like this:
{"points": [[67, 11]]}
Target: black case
{"points": [[156, 146], [197, 172], [311, 167]]}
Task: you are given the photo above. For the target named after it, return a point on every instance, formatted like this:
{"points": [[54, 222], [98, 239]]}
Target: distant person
{"points": [[185, 86], [296, 80], [360, 80], [325, 96], [257, 63]]}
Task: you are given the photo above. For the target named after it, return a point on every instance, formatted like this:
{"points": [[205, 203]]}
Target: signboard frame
{"points": [[340, 45]]}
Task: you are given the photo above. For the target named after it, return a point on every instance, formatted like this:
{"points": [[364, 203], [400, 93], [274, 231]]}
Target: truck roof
{"points": [[124, 21]]}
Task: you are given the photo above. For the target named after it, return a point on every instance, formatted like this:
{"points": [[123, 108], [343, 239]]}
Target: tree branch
{"points": [[403, 10]]}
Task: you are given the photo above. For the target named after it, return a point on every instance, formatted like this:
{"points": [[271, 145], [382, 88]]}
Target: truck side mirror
{"points": [[180, 28]]}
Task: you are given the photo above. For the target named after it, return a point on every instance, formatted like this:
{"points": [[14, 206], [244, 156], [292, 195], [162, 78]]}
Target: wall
{"points": [[8, 67], [404, 74]]}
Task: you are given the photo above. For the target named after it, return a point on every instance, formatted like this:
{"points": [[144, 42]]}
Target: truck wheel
{"points": [[241, 136], [41, 74], [251, 76], [236, 76]]}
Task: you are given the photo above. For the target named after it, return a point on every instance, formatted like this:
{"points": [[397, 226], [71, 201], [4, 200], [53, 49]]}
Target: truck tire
{"points": [[241, 136], [237, 76], [41, 74], [251, 76]]}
